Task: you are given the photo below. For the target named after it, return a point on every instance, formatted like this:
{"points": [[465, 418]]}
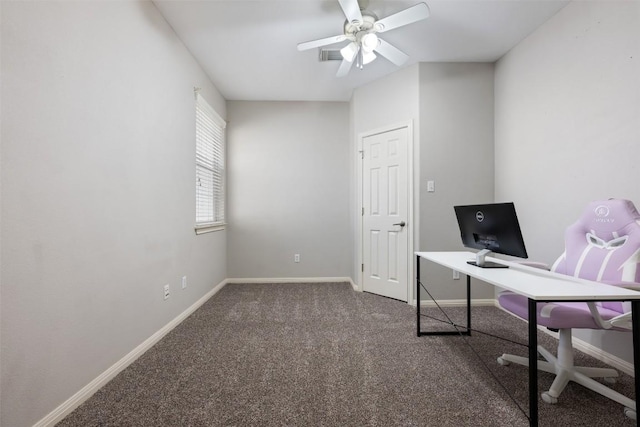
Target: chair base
{"points": [[565, 371]]}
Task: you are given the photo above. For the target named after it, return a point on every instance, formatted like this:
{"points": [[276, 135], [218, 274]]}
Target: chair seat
{"points": [[555, 315]]}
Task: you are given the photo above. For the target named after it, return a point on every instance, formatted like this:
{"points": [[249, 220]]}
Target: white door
{"points": [[385, 214]]}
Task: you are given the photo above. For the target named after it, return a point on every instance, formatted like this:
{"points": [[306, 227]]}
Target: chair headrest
{"points": [[604, 243], [609, 216]]}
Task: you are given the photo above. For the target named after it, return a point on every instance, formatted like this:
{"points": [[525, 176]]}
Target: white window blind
{"points": [[210, 167]]}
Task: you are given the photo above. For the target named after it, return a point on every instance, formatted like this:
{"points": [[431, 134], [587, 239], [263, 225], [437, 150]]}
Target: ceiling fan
{"points": [[361, 29]]}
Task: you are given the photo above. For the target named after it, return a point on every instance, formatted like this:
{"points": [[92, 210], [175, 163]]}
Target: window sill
{"points": [[202, 229]]}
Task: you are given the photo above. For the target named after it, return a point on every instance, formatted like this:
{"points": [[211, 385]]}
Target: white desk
{"points": [[538, 286]]}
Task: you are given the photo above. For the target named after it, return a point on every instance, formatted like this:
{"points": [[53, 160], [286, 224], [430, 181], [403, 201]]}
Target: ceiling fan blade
{"points": [[351, 10], [321, 42], [408, 16], [345, 66], [392, 53]]}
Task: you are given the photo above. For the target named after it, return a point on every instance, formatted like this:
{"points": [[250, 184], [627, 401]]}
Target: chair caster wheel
{"points": [[503, 362], [609, 380], [548, 398], [630, 413]]}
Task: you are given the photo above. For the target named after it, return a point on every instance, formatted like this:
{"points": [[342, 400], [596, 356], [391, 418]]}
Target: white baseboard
{"points": [[608, 358], [87, 391], [291, 280], [297, 280]]}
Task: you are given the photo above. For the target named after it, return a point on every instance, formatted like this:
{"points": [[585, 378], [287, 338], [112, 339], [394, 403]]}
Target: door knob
{"points": [[401, 224]]}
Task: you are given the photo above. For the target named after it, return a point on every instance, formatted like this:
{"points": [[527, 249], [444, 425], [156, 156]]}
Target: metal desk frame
{"points": [[629, 295]]}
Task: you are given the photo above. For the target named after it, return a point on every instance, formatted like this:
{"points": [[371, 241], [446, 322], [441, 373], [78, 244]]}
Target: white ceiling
{"points": [[248, 47]]}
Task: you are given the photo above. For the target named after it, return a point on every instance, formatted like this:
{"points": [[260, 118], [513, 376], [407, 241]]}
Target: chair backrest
{"points": [[604, 245]]}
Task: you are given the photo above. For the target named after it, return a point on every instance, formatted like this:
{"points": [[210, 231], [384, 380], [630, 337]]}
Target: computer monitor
{"points": [[490, 228]]}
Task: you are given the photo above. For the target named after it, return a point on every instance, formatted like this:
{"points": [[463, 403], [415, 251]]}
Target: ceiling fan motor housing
{"points": [[368, 25]]}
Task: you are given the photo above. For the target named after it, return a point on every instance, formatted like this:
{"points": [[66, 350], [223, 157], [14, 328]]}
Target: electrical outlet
{"points": [[166, 291], [296, 258], [184, 282], [456, 275]]}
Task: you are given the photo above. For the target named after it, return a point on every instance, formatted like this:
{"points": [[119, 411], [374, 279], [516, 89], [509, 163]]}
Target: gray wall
{"points": [[98, 197], [456, 151], [389, 101], [568, 125], [288, 193], [451, 108]]}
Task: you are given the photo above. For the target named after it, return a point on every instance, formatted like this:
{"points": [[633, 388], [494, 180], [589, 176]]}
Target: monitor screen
{"points": [[491, 227]]}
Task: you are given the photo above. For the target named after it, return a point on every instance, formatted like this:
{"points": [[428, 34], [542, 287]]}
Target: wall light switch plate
{"points": [[431, 186]]}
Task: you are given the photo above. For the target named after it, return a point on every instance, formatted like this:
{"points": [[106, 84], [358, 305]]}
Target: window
{"points": [[210, 172]]}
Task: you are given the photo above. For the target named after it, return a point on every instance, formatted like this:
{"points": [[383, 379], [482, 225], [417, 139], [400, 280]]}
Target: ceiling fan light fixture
{"points": [[369, 42], [349, 51], [368, 57]]}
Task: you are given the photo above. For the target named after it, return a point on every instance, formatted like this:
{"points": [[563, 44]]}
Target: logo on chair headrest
{"points": [[479, 216], [602, 212]]}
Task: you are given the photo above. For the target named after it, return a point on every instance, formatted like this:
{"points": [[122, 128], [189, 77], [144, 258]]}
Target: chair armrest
{"points": [[622, 321], [604, 324]]}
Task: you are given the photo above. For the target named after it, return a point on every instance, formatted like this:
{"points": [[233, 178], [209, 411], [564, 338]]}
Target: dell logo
{"points": [[479, 216]]}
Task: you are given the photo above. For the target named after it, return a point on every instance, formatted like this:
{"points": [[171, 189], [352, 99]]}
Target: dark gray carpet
{"points": [[324, 355]]}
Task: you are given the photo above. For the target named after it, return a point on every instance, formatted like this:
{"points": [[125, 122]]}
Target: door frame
{"points": [[412, 226]]}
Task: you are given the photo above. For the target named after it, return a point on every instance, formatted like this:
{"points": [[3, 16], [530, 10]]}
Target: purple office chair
{"points": [[604, 246]]}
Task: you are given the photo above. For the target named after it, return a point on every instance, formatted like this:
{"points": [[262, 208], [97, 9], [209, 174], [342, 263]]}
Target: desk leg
{"points": [[533, 364], [635, 325], [418, 294], [468, 305]]}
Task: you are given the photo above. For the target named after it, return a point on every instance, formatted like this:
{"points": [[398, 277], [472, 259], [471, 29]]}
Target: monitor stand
{"points": [[480, 261]]}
